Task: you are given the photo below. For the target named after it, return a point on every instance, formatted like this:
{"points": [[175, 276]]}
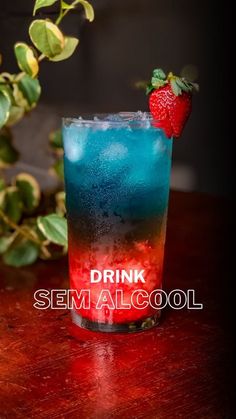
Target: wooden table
{"points": [[180, 369]]}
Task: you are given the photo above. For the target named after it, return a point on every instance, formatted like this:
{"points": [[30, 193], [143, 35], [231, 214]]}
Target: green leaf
{"points": [[175, 88], [55, 139], [15, 115], [140, 84], [58, 168], [47, 37], [8, 154], [149, 88], [30, 89], [21, 253], [42, 3], [7, 89], [195, 87], [68, 50], [29, 190], [88, 8], [5, 104], [66, 6], [157, 83], [54, 228], [159, 74], [13, 204], [19, 98], [5, 242], [183, 86], [26, 59]]}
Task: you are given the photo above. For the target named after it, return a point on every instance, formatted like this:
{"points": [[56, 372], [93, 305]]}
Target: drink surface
{"points": [[117, 187]]}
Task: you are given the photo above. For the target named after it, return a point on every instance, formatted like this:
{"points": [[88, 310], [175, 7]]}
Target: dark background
{"points": [[125, 42]]}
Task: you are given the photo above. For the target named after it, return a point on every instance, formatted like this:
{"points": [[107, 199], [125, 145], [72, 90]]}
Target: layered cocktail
{"points": [[117, 170]]}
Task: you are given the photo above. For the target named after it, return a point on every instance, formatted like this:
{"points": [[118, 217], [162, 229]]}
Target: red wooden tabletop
{"points": [[179, 369]]}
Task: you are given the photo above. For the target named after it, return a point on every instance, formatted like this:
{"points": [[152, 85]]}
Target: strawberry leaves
{"points": [[176, 89], [178, 84], [159, 74], [158, 80]]}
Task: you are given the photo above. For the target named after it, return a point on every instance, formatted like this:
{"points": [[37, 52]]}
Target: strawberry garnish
{"points": [[170, 101]]}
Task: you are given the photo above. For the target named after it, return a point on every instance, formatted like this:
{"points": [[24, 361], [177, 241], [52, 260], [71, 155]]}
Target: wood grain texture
{"points": [[49, 369]]}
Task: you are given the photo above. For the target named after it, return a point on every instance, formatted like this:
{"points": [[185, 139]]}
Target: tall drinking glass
{"points": [[117, 170]]}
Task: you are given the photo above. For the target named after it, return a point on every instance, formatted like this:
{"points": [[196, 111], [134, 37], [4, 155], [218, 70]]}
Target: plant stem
{"points": [[41, 57], [62, 13], [19, 229]]}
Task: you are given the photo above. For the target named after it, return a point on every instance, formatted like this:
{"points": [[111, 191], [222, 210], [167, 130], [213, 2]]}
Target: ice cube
{"points": [[143, 116], [136, 118], [114, 118], [74, 142], [114, 151], [159, 146]]}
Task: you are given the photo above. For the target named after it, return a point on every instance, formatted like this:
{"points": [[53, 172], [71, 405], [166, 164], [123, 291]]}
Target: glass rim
{"points": [[99, 119]]}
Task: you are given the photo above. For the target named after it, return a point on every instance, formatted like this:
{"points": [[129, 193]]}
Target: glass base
{"points": [[137, 326]]}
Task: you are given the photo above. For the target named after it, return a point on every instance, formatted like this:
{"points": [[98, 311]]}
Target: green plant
{"points": [[28, 231]]}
